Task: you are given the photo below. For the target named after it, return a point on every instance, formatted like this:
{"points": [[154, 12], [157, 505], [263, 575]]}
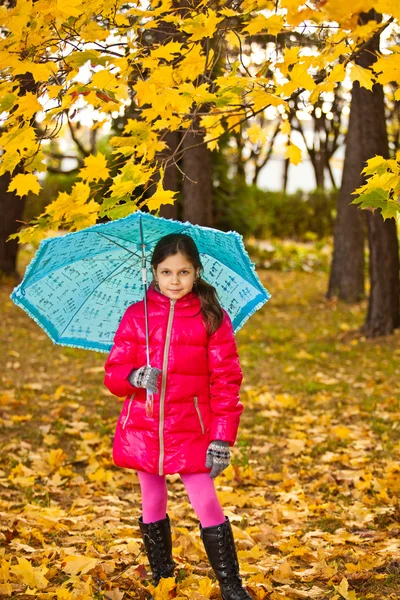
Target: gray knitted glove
{"points": [[145, 377], [218, 457]]}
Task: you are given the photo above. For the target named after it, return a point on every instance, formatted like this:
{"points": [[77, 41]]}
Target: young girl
{"points": [[195, 377]]}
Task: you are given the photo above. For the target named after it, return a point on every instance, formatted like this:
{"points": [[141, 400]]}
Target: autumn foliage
{"points": [[167, 66]]}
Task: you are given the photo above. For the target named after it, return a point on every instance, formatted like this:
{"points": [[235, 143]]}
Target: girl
{"points": [[195, 377]]}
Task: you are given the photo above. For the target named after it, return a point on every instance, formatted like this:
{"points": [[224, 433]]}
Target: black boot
{"points": [[158, 544], [220, 547]]}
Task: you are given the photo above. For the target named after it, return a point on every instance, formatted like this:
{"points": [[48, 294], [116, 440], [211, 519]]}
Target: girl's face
{"points": [[175, 276]]}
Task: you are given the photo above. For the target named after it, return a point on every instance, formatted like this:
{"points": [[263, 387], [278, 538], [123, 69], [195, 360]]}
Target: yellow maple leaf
{"points": [[74, 208], [205, 587], [388, 68], [214, 129], [103, 79], [92, 32], [193, 64], [161, 196], [200, 93], [22, 184], [256, 552], [166, 51], [262, 99], [275, 24], [131, 176], [30, 575], [9, 160], [286, 127], [283, 573], [56, 457], [28, 105], [295, 446], [342, 432], [363, 76], [95, 168], [343, 590], [75, 564], [293, 153], [299, 78], [228, 12], [70, 7], [256, 134], [40, 71], [256, 24], [4, 570], [101, 475], [290, 57], [164, 588], [202, 25]]}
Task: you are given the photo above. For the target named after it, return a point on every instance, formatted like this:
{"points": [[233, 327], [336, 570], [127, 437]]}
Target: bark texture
{"points": [[11, 211], [171, 176], [197, 181], [383, 314], [347, 270]]}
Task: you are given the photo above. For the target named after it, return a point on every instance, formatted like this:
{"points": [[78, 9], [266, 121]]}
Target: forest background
{"points": [[178, 108]]}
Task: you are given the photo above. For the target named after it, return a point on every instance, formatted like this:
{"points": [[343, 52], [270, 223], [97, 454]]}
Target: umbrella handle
{"points": [[149, 403]]}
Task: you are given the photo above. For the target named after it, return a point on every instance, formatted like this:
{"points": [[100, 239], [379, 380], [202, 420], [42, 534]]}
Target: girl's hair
{"points": [[170, 245]]}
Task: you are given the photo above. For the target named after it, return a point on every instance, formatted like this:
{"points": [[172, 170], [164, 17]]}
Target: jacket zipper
{"points": [[196, 405], [129, 410], [163, 387]]}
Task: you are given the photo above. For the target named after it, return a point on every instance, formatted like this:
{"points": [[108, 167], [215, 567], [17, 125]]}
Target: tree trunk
{"points": [[318, 161], [347, 269], [368, 138], [383, 314], [383, 307], [11, 210], [197, 181], [11, 205], [285, 178], [171, 177]]}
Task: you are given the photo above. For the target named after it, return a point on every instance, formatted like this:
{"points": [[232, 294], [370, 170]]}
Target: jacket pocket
{"points": [[196, 405], [128, 411]]}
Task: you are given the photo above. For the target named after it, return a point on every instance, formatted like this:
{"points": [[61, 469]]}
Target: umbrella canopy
{"points": [[78, 286]]}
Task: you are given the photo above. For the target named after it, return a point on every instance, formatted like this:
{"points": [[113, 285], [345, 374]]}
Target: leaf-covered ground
{"points": [[313, 492]]}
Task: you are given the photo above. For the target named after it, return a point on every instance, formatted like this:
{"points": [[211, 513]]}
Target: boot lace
{"points": [[232, 583], [158, 556]]}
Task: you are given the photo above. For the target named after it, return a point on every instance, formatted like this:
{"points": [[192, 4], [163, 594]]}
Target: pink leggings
{"points": [[199, 487]]}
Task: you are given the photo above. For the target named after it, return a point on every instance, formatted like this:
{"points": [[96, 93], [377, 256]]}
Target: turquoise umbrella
{"points": [[78, 285]]}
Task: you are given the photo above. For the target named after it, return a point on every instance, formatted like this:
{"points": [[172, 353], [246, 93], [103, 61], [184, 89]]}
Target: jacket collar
{"points": [[153, 294]]}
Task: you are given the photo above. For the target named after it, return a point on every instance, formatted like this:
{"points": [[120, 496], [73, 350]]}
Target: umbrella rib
{"points": [[91, 293], [116, 243]]}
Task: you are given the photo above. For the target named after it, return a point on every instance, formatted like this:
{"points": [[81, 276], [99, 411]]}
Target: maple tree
{"points": [[107, 57]]}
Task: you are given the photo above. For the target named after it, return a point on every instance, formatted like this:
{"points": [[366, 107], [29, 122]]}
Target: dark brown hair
{"points": [[171, 244]]}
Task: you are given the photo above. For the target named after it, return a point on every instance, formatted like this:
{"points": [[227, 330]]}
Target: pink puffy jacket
{"points": [[199, 387]]}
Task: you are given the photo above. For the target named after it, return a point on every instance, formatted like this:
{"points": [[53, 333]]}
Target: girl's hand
{"points": [[145, 377], [218, 457]]}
